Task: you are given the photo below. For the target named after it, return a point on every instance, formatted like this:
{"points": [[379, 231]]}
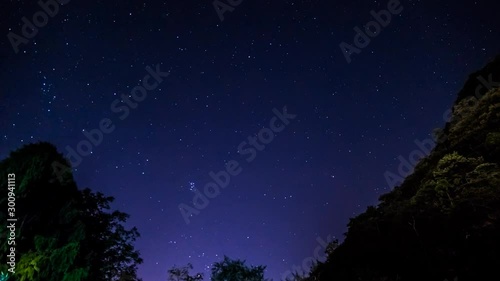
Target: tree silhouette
{"points": [[62, 233], [444, 220], [182, 274], [236, 270]]}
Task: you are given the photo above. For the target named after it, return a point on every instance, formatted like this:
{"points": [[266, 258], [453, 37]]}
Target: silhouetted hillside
{"points": [[443, 222]]}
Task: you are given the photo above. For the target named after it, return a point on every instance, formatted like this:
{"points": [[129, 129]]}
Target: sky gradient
{"points": [[228, 80]]}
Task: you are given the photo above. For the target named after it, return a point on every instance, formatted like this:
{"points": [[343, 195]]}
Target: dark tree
{"points": [[62, 233], [49, 231], [108, 245], [182, 274], [443, 221], [236, 270]]}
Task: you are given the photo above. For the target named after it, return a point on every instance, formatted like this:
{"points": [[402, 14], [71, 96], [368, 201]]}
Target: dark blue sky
{"points": [[352, 120]]}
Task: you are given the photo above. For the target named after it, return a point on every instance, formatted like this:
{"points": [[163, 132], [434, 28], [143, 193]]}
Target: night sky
{"points": [[227, 79]]}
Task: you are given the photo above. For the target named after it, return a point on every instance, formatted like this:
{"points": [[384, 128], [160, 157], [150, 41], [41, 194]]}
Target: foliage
{"points": [[62, 233], [4, 276], [443, 222], [182, 274], [108, 244], [236, 270]]}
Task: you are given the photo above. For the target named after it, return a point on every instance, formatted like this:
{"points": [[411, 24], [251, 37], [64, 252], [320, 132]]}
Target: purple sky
{"points": [[352, 120]]}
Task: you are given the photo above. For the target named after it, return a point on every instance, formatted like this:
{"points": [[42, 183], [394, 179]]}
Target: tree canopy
{"points": [[443, 221], [229, 269], [62, 233]]}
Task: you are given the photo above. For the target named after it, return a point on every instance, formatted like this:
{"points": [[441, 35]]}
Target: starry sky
{"points": [[226, 80]]}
